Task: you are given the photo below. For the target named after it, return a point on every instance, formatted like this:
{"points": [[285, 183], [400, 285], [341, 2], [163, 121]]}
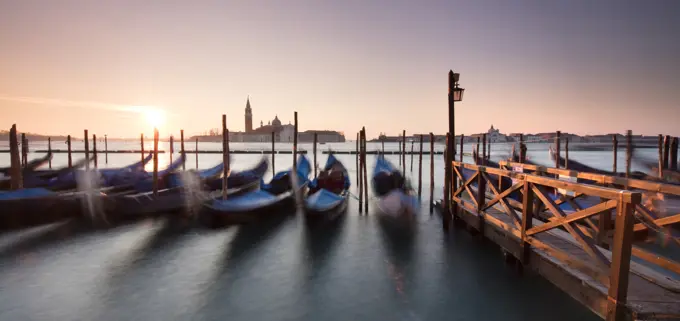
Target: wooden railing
{"points": [[536, 194], [646, 217]]}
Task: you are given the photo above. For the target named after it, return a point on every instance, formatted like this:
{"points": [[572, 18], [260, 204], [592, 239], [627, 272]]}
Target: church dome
{"points": [[276, 121]]}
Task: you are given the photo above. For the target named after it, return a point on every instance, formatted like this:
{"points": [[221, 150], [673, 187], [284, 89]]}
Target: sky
{"points": [[584, 67]]}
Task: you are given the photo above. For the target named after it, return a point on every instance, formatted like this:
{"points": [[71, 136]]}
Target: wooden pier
{"points": [[561, 249]]}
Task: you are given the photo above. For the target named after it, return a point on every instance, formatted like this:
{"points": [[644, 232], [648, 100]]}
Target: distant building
{"points": [[282, 133]]}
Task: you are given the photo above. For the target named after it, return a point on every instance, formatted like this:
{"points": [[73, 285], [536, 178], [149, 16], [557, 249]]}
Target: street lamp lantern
{"points": [[458, 93]]}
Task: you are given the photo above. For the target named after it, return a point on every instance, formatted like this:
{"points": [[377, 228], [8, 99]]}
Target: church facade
{"points": [[282, 133]]}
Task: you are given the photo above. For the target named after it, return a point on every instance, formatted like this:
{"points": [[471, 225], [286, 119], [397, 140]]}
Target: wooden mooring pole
{"points": [[420, 169], [94, 149], [172, 149], [141, 145], [106, 149], [488, 149], [314, 150], [615, 149], [273, 153], [483, 149], [477, 151], [674, 153], [557, 149], [411, 156], [87, 150], [660, 156], [155, 162], [666, 151], [225, 156], [566, 152], [446, 216], [196, 150], [451, 147], [49, 151], [403, 152], [522, 149], [357, 158], [359, 173], [431, 173], [295, 141], [24, 150], [382, 146], [16, 179], [68, 148], [363, 130], [399, 155], [462, 139], [629, 151], [181, 146]]}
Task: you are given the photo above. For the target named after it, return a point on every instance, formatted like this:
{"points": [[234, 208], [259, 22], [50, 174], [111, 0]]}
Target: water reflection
{"points": [[320, 239]]}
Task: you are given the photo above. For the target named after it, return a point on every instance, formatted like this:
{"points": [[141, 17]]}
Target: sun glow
{"points": [[154, 116]]}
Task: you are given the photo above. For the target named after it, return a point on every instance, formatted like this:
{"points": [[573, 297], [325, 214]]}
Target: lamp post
{"points": [[455, 94]]}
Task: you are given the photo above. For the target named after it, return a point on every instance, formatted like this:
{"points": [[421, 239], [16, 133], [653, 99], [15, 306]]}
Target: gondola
{"points": [[272, 199], [37, 206], [245, 181], [396, 198], [31, 166], [51, 178], [177, 195], [328, 193]]}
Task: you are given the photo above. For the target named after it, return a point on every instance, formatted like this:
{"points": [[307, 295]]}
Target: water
{"points": [[356, 269]]}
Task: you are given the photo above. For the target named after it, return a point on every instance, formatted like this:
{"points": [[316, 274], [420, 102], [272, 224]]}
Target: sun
{"points": [[154, 116]]}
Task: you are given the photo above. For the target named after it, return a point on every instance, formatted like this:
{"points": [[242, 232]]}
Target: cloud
{"points": [[52, 102]]}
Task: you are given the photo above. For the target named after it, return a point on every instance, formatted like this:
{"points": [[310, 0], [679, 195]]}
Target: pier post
{"points": [[225, 156], [68, 148], [566, 152], [24, 150], [359, 173], [49, 151], [141, 145], [196, 150], [16, 179], [522, 149], [660, 155], [363, 130], [483, 150], [674, 153], [411, 156], [615, 149], [557, 149], [403, 152], [666, 150], [314, 148], [620, 264], [527, 222], [155, 162], [295, 140], [106, 150], [481, 199], [431, 173], [94, 149], [172, 149], [181, 147], [629, 152], [420, 169], [382, 143]]}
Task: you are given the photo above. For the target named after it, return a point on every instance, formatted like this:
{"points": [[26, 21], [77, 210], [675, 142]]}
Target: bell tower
{"points": [[249, 116]]}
